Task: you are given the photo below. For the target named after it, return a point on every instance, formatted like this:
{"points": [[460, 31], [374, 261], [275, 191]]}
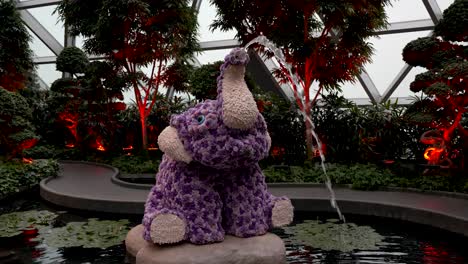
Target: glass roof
{"points": [[385, 67], [405, 10], [387, 59], [38, 47], [206, 16]]}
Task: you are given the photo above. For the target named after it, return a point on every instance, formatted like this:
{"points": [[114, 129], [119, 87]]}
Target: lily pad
{"points": [[13, 224], [330, 235], [92, 234]]}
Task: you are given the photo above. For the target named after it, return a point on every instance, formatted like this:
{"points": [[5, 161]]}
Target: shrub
{"points": [[16, 176], [359, 176], [135, 164], [17, 132]]}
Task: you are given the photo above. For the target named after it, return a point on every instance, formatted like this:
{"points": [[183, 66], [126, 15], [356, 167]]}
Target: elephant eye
{"points": [[200, 119]]}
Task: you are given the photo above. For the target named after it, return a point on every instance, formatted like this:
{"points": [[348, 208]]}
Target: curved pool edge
{"points": [[439, 220], [116, 179], [445, 212]]}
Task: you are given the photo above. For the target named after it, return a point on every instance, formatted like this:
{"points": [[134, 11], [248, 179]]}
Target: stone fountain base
{"points": [[266, 249]]}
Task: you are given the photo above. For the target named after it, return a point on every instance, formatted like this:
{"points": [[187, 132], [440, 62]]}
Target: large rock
{"points": [[266, 249]]}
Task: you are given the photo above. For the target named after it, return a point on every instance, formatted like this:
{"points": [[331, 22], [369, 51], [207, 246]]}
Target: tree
{"points": [[133, 34], [86, 104], [15, 123], [323, 40], [72, 60], [203, 82], [16, 64], [445, 81]]}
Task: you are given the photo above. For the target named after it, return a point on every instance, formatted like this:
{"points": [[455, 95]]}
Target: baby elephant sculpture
{"points": [[209, 183]]}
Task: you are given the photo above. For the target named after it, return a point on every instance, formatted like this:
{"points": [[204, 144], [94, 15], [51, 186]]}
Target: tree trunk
{"points": [[144, 136]]}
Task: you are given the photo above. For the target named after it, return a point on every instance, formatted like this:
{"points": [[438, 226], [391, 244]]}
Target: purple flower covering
{"points": [[223, 189]]}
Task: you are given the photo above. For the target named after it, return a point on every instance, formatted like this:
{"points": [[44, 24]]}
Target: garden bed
{"points": [[16, 176]]}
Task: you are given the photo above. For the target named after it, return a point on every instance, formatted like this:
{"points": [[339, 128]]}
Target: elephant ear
{"points": [[239, 107]]}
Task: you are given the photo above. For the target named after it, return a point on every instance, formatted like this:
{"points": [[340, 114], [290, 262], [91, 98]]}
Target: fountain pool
{"points": [[368, 240]]}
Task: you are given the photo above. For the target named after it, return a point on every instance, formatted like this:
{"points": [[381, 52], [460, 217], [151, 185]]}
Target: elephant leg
{"points": [[245, 204], [183, 208], [249, 209]]}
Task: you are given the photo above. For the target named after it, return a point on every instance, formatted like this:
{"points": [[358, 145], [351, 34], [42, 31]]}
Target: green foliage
{"points": [[92, 234], [135, 164], [15, 176], [203, 81], [359, 176], [285, 127], [72, 60], [43, 152], [452, 26], [331, 235], [364, 134], [15, 123], [16, 64], [15, 223]]}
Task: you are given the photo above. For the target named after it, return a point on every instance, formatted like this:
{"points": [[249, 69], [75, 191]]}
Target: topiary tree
{"points": [[72, 60], [86, 105], [134, 34], [445, 82], [16, 64], [203, 81], [323, 40], [17, 132]]}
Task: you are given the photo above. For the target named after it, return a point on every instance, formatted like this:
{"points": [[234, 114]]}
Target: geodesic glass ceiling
{"points": [[387, 77]]}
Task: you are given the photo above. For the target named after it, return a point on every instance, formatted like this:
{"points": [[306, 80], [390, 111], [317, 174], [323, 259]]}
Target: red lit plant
{"points": [[159, 36], [17, 132], [445, 85], [85, 103], [323, 40]]}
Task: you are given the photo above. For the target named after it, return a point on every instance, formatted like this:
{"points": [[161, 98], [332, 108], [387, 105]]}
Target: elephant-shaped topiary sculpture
{"points": [[209, 182]]}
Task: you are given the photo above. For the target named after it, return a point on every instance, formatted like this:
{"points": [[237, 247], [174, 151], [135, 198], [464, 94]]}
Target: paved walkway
{"points": [[90, 186]]}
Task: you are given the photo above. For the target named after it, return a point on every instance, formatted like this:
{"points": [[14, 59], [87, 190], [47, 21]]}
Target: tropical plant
{"points": [[16, 64], [324, 41], [285, 128], [132, 34], [351, 133], [445, 83], [17, 132]]}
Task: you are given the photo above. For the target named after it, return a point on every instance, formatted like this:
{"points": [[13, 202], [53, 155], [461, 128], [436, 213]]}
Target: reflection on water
{"points": [[402, 243]]}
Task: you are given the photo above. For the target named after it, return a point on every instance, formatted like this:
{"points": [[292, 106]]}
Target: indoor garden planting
{"points": [[146, 47]]}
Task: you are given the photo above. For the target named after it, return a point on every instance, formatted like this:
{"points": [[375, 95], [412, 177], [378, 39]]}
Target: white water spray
{"points": [[297, 82]]}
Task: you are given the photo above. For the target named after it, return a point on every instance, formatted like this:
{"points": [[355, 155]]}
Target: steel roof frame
{"points": [[432, 8]]}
